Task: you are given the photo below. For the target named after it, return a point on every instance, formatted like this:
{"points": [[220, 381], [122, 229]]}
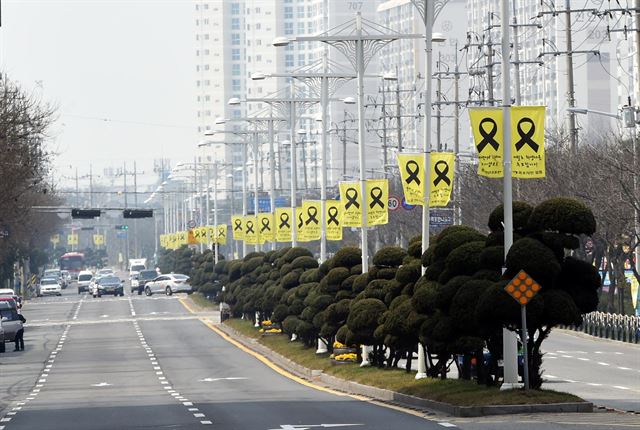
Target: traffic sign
{"points": [[406, 206], [522, 288], [394, 203], [191, 223]]}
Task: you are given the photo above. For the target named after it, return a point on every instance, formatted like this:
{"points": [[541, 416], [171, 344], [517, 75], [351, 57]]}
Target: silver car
{"points": [[168, 284], [49, 286], [10, 321]]}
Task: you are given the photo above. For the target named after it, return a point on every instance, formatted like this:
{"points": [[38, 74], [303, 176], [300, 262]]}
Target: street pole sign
{"points": [[523, 288]]}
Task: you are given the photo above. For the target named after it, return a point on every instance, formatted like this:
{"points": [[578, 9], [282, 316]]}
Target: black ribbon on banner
{"points": [[488, 137], [413, 173], [352, 198], [284, 220], [376, 195], [238, 225], [526, 138], [250, 227], [312, 213], [221, 232], [300, 221], [442, 173], [333, 216], [265, 225]]}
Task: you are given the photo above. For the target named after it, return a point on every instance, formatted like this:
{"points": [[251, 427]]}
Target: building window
{"points": [[235, 23], [235, 54], [235, 8], [288, 28], [235, 84], [288, 12], [235, 39], [235, 69], [258, 58], [288, 60]]}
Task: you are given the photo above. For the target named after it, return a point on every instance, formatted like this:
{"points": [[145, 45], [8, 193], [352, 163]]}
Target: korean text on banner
{"points": [[311, 214], [527, 132], [351, 204], [411, 172], [442, 168], [487, 127], [283, 224], [377, 202], [250, 230], [334, 220], [237, 227]]}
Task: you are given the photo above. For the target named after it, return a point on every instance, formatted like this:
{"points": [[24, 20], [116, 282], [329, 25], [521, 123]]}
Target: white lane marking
{"points": [[594, 384], [101, 384], [222, 379], [620, 387], [447, 425], [187, 403], [193, 409], [206, 422], [623, 368], [11, 413], [5, 420], [198, 415], [566, 356], [583, 359], [603, 364]]}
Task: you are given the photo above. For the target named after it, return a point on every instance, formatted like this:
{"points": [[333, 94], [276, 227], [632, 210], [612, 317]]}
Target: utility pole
{"points": [[439, 107], [516, 56], [91, 185], [385, 155], [77, 190], [457, 207], [398, 112], [124, 173], [573, 131], [492, 99], [344, 146]]}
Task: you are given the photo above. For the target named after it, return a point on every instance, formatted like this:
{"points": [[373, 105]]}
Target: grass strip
{"points": [[454, 391]]}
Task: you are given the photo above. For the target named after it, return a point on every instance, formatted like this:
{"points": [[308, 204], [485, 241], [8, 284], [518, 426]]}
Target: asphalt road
{"points": [[136, 362]]}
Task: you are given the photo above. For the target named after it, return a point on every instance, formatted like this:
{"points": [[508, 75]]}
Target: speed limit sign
{"points": [[394, 203]]}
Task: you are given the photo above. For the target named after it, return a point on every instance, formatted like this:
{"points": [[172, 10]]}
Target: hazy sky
{"points": [[128, 61]]}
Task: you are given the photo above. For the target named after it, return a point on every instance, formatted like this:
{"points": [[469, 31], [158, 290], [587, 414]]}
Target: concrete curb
{"points": [[389, 396]]}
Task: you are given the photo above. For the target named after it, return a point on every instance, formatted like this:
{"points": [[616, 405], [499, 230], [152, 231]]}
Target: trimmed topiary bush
{"points": [[521, 213], [348, 257], [563, 215], [390, 256], [465, 259], [305, 263]]}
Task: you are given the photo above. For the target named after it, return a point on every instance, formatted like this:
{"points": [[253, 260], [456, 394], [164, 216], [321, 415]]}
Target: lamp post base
{"points": [[510, 386], [421, 375]]}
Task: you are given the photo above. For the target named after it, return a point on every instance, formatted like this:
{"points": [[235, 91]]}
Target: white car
{"points": [[84, 281], [50, 286], [169, 284]]}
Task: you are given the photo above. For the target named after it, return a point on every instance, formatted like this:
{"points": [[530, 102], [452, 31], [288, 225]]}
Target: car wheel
{"points": [[147, 291], [3, 348], [95, 295], [59, 294], [168, 291]]}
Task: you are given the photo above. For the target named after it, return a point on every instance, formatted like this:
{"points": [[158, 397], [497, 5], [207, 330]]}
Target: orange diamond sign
{"points": [[522, 288]]}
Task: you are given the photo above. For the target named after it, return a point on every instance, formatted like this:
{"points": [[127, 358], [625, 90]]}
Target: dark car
{"points": [[109, 285], [143, 277]]}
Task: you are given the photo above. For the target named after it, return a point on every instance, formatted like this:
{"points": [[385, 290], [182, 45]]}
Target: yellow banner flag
{"points": [[312, 217], [200, 233], [72, 239], [221, 238], [334, 220], [301, 227], [266, 228], [237, 227], [210, 234], [250, 230], [487, 127], [283, 224], [55, 239], [377, 202], [98, 239], [351, 204], [527, 136], [183, 239], [411, 167], [442, 168]]}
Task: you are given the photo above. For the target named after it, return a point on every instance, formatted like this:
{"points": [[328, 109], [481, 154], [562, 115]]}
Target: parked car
{"points": [[7, 293], [49, 286], [10, 323], [103, 272], [108, 285], [84, 279], [168, 284], [144, 277]]}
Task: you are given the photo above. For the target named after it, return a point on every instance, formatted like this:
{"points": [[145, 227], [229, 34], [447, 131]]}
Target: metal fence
{"points": [[624, 328]]}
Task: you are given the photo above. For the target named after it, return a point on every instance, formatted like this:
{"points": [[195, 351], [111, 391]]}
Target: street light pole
{"points": [[216, 245], [272, 171], [361, 141], [294, 170], [509, 338]]}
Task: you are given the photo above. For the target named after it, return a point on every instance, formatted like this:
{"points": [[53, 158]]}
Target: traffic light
{"points": [[122, 227], [137, 213], [85, 213]]}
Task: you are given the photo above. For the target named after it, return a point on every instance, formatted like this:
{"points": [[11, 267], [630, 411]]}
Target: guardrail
{"points": [[624, 328]]}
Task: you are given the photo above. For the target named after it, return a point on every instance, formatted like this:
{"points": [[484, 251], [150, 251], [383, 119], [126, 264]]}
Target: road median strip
{"points": [[413, 398]]}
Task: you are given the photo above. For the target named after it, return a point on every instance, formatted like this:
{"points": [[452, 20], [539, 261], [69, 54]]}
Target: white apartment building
{"points": [[406, 58], [596, 77]]}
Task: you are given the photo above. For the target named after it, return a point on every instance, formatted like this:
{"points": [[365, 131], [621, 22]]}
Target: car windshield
{"points": [[148, 274], [109, 280], [11, 314], [85, 277], [137, 267], [49, 281], [52, 272]]}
